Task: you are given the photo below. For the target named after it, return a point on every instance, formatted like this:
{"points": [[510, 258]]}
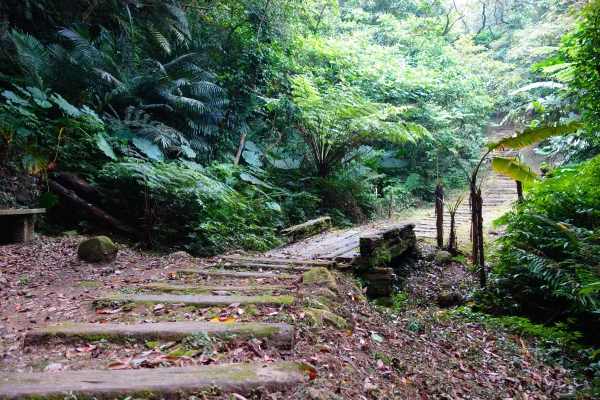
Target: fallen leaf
{"points": [[240, 311], [376, 337], [312, 371], [301, 314], [70, 354], [86, 348], [238, 396], [222, 319], [54, 367], [159, 307], [120, 365], [380, 364]]}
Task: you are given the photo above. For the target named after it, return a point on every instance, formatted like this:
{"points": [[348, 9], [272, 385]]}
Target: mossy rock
{"points": [[179, 255], [324, 317], [449, 299], [98, 249], [326, 302], [442, 257], [327, 293], [320, 277]]}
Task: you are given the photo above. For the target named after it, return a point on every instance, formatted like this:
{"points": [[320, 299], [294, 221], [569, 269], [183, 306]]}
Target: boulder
{"points": [[325, 293], [442, 257], [324, 317], [98, 249], [320, 277], [449, 299], [179, 255]]}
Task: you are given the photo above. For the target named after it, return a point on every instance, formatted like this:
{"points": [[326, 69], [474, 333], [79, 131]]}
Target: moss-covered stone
{"points": [[442, 257], [152, 345], [327, 303], [98, 249], [449, 299], [324, 317], [320, 277], [327, 293], [307, 229]]}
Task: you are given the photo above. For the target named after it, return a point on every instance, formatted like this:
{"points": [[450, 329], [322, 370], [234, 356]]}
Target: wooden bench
{"points": [[17, 226]]}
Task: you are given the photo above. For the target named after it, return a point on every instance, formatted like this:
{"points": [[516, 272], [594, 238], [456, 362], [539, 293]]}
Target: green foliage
{"points": [[577, 67], [550, 252]]}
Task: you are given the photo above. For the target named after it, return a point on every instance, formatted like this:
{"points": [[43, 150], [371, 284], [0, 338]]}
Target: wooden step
{"points": [[278, 334], [160, 383], [202, 301], [170, 287], [234, 274]]}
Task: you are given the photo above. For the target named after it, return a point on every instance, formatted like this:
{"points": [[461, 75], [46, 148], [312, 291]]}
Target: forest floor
{"points": [[414, 349]]}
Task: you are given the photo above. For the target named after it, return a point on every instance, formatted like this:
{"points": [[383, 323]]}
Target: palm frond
{"points": [[512, 168], [532, 135]]}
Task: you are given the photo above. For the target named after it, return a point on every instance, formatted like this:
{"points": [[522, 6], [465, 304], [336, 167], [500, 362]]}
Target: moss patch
{"points": [[324, 317], [320, 277]]}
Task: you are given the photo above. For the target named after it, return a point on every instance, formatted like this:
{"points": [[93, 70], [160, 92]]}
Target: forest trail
{"points": [[499, 193]]}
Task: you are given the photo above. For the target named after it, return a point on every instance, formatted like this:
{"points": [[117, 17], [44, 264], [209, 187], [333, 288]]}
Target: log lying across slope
{"points": [[92, 209]]}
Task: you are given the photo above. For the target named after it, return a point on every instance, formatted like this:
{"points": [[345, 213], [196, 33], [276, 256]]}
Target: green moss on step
{"points": [[321, 277], [324, 317], [152, 345]]}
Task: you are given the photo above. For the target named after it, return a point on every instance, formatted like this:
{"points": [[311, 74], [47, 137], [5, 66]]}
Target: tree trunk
{"points": [[240, 149], [452, 244], [84, 205], [439, 212], [520, 191], [76, 183], [477, 233]]}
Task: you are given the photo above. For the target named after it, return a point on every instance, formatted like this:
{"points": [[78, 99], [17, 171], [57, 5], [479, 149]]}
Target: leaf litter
{"points": [[419, 351]]}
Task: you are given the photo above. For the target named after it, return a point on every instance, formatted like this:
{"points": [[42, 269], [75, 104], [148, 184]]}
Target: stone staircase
{"points": [[224, 330]]}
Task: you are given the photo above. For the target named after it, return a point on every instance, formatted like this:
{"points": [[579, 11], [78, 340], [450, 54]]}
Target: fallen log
{"points": [[307, 229], [77, 183], [84, 205]]}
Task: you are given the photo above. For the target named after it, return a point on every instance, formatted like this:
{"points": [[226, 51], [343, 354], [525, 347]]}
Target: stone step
{"points": [[278, 334], [160, 383], [235, 274], [170, 287], [236, 265], [280, 261], [202, 301]]}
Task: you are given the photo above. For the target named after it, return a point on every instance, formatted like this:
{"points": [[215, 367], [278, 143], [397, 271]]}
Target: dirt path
{"points": [[152, 326]]}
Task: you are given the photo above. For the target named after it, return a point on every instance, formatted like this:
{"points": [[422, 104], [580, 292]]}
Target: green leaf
{"points": [[12, 98], [252, 158], [286, 160], [151, 150], [273, 206], [532, 135], [254, 180], [104, 146], [188, 151], [512, 168], [64, 105], [49, 200], [35, 159]]}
